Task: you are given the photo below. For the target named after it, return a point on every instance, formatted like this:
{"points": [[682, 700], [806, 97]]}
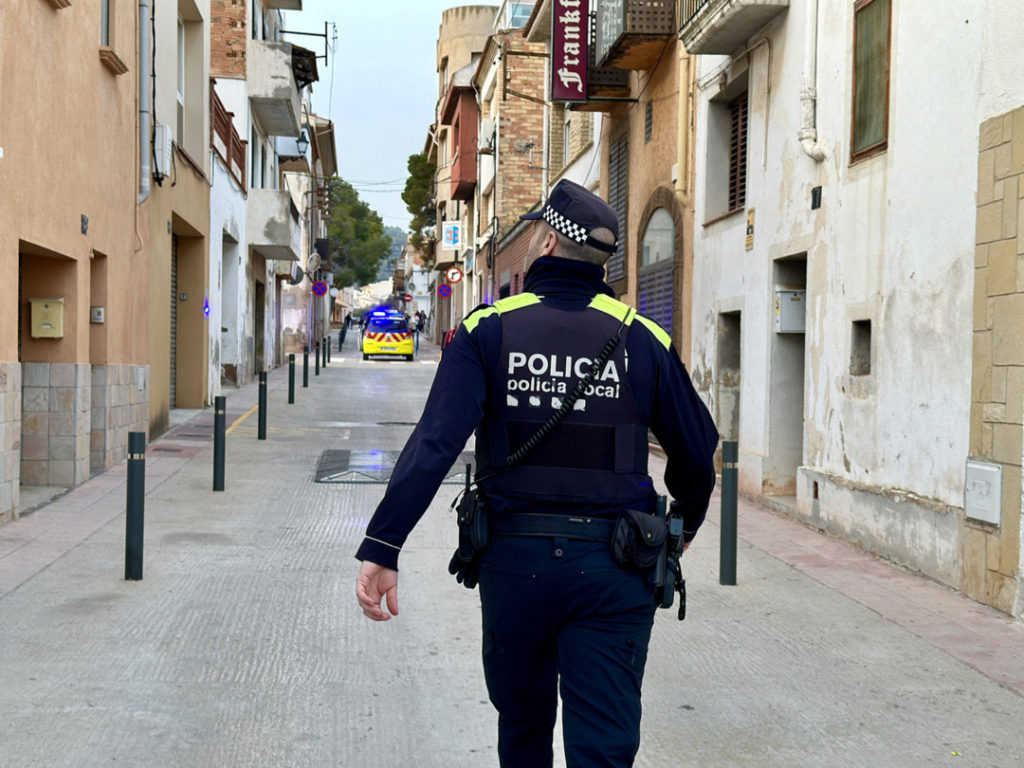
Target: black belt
{"points": [[565, 526]]}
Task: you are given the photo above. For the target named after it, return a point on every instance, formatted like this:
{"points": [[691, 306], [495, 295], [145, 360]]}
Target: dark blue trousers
{"points": [[563, 613]]}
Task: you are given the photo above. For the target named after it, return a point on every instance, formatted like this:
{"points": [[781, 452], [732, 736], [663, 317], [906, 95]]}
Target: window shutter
{"points": [[618, 181], [738, 153]]}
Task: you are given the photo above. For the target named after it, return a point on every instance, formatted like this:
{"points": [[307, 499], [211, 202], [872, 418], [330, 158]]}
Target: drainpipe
{"points": [[685, 116], [144, 152], [808, 92]]}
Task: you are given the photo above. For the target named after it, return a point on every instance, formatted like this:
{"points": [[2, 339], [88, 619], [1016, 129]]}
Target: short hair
{"points": [[570, 249]]}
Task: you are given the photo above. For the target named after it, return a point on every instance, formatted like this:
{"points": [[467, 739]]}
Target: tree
{"points": [[356, 235], [418, 198]]}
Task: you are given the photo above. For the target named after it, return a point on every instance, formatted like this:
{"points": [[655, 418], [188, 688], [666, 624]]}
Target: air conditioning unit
{"points": [[162, 147], [487, 137]]}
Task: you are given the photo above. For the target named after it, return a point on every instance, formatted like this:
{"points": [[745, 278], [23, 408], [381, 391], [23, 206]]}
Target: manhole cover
{"points": [[373, 466]]}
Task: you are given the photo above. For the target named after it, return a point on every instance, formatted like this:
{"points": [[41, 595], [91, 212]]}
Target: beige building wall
{"points": [[68, 230], [991, 555], [654, 169], [179, 215]]}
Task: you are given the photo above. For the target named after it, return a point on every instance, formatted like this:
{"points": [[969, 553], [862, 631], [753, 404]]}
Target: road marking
{"points": [[241, 418]]}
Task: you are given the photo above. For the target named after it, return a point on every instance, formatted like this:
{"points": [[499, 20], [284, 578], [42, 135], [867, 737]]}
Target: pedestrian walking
{"points": [[420, 324], [558, 531]]}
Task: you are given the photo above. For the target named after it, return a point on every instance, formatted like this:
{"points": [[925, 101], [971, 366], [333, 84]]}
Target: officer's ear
{"points": [[549, 244]]}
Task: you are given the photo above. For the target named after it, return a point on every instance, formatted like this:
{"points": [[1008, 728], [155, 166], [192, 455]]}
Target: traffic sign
{"points": [[454, 274], [444, 290], [407, 297], [319, 287]]}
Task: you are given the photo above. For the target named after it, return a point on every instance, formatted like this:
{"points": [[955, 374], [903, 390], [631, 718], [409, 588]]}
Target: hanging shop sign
{"points": [[569, 22]]}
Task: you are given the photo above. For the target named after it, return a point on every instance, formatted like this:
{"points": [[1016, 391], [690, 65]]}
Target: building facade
{"points": [[74, 268], [856, 279]]}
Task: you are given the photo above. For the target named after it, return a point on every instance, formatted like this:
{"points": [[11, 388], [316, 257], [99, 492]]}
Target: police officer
{"points": [[558, 609]]}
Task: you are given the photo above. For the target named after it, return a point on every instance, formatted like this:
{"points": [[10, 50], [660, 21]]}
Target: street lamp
{"points": [[302, 143]]}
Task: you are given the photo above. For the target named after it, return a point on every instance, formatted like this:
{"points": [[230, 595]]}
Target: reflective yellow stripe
{"points": [[518, 301], [659, 334], [471, 321], [613, 307]]}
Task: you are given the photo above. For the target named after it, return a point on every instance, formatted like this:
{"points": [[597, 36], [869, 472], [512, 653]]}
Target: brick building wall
{"points": [[521, 133], [228, 37]]}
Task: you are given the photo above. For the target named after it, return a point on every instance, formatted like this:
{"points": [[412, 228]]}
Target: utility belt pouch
{"points": [[474, 531], [638, 539]]}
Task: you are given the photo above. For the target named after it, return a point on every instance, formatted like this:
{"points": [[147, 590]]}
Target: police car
{"points": [[387, 333]]}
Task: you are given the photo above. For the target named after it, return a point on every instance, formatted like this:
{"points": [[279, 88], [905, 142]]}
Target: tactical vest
{"points": [[598, 452]]}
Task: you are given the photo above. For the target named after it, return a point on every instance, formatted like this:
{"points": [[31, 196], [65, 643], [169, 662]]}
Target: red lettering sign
{"points": [[569, 55]]}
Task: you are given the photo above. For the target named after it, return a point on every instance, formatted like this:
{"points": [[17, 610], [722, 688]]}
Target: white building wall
{"points": [[893, 243]]}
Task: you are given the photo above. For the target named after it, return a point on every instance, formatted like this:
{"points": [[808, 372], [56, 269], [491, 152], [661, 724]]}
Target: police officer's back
{"points": [[558, 607]]}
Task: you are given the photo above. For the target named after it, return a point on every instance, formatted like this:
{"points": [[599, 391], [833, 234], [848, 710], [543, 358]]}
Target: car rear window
{"points": [[388, 324]]}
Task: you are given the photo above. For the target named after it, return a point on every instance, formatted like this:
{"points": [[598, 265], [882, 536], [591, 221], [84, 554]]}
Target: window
{"points": [[648, 121], [870, 77], [519, 14], [738, 152], [725, 177], [659, 241], [860, 348], [257, 20]]}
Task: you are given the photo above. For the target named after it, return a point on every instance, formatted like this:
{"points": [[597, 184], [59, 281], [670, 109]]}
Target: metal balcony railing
{"points": [[225, 139], [631, 34]]}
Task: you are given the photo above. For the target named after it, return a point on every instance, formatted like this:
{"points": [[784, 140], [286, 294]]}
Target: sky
{"points": [[379, 87]]}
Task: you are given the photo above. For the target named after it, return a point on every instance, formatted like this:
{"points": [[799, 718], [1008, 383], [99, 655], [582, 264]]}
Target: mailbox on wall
{"points": [[47, 318], [789, 311]]}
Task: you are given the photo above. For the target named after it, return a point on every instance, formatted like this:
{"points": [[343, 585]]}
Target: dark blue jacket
{"points": [[459, 396]]}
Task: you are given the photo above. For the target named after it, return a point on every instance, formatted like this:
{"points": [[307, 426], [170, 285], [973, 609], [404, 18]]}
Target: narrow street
{"points": [[243, 644]]}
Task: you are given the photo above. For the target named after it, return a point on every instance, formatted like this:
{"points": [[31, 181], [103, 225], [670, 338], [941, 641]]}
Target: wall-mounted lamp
{"points": [[302, 143]]}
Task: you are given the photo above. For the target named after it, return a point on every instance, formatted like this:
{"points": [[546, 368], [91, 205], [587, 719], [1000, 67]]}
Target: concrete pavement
{"points": [[243, 644]]}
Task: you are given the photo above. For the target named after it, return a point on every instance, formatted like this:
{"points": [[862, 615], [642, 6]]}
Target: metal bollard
{"points": [[327, 346], [136, 505], [324, 345], [219, 422], [305, 366], [291, 379], [263, 407], [317, 356], [727, 549]]}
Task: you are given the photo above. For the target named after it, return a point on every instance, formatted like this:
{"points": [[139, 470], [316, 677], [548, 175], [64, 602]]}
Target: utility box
{"points": [[983, 492], [47, 318], [789, 311]]}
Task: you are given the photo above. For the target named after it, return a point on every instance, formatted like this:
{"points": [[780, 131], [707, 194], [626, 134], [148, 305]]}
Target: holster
{"points": [[474, 532], [474, 538]]}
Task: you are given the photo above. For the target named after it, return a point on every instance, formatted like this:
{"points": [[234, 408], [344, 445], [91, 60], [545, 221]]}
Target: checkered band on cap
{"points": [[567, 227]]}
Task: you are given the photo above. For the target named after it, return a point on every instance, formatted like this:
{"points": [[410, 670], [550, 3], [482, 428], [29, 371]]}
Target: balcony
{"points": [[273, 228], [722, 26], [282, 5], [225, 139], [604, 84], [631, 34], [273, 90]]}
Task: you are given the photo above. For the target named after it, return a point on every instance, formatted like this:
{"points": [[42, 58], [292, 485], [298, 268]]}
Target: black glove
{"points": [[466, 572]]}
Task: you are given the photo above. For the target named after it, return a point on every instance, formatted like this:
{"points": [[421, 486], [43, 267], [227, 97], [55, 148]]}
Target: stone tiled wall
{"points": [[10, 438], [991, 555], [120, 404], [56, 400]]}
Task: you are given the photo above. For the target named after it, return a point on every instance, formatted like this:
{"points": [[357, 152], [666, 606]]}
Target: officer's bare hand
{"points": [[374, 582]]}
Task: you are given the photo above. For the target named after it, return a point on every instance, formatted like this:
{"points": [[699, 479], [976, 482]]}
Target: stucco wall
{"points": [[893, 243]]}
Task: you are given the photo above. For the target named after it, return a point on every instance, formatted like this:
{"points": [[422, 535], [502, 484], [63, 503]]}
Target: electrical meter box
{"points": [[789, 311], [47, 318]]}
